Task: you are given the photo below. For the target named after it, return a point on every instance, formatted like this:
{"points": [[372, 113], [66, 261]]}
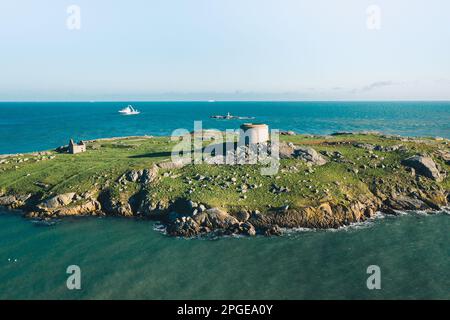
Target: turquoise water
{"points": [[121, 258], [37, 126]]}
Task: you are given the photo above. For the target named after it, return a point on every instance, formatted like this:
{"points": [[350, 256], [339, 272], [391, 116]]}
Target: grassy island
{"points": [[322, 182]]}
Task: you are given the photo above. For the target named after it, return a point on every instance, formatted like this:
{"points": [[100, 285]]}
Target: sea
{"points": [[133, 259]]}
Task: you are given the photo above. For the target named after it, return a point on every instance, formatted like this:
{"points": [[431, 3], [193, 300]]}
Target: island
{"points": [[323, 181]]}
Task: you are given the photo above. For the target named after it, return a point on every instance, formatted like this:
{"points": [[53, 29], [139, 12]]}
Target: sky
{"points": [[224, 50]]}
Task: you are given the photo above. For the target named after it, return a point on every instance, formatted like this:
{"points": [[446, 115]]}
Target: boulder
{"points": [[58, 201], [183, 227], [215, 218], [366, 146], [183, 206], [390, 148], [111, 204], [273, 230], [424, 166], [220, 218], [123, 209], [242, 215], [145, 176], [404, 203], [286, 151], [88, 208], [7, 200], [218, 159], [132, 176], [444, 155], [310, 155], [149, 175], [169, 165], [248, 229]]}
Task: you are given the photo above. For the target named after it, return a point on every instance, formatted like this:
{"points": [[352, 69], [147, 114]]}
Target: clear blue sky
{"points": [[224, 49]]}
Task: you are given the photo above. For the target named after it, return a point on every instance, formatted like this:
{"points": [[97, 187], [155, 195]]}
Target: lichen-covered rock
{"points": [[143, 205], [183, 227], [91, 207], [310, 155], [220, 219], [285, 150], [212, 219], [248, 229], [366, 146], [133, 175], [173, 164], [444, 155], [113, 205], [7, 200], [424, 166], [14, 201], [242, 215], [57, 201], [394, 147], [144, 176], [404, 202], [149, 175]]}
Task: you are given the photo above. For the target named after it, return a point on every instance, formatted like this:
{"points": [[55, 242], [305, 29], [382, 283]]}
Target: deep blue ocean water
{"points": [[124, 258], [28, 127]]}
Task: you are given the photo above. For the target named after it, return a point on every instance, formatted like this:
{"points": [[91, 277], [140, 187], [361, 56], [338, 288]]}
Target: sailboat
{"points": [[129, 110]]}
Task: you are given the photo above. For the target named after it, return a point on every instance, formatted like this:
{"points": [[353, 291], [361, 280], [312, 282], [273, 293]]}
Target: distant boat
{"points": [[211, 100], [228, 116], [129, 110]]}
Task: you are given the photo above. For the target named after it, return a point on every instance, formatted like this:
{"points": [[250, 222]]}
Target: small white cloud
{"points": [[376, 85]]}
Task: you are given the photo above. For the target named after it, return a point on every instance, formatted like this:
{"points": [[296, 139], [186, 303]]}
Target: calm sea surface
{"points": [[36, 126], [123, 258]]}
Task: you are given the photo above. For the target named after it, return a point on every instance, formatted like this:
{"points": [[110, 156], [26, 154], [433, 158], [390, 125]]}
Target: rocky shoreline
{"points": [[183, 217]]}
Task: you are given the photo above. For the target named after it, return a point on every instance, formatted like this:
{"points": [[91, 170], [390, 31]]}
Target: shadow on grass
{"points": [[152, 155]]}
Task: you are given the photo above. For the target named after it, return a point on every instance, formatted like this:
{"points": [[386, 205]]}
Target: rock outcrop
{"points": [[424, 166], [192, 219], [14, 201], [307, 154], [90, 207], [57, 201], [212, 220], [310, 155], [112, 204], [174, 164], [145, 176]]}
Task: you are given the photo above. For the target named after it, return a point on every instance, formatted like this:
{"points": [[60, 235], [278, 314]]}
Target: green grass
{"points": [[107, 160]]}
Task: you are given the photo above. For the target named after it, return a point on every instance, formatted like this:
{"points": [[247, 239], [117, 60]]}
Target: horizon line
{"points": [[223, 100]]}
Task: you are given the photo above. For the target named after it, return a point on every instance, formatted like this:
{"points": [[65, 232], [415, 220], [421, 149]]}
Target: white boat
{"points": [[229, 116], [129, 110]]}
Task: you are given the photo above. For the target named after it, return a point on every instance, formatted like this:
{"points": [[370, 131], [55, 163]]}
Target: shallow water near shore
{"points": [[126, 258]]}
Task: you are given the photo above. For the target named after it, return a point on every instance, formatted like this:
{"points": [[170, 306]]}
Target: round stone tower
{"points": [[254, 133]]}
